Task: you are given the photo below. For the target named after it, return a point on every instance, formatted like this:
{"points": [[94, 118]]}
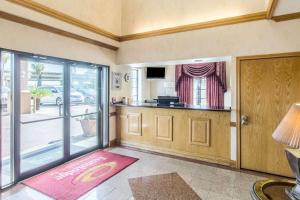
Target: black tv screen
{"points": [[155, 72]]}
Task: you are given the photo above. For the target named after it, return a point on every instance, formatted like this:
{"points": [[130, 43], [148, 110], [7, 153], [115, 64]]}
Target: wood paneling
{"points": [[134, 123], [121, 126], [63, 17], [286, 17], [217, 152], [164, 127], [30, 23], [267, 87], [196, 26], [199, 131], [271, 8]]}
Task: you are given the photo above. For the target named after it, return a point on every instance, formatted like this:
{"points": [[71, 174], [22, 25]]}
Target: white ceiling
{"points": [[287, 7]]}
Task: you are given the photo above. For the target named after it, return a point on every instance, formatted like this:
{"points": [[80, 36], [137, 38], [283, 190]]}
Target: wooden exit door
{"points": [[269, 85]]}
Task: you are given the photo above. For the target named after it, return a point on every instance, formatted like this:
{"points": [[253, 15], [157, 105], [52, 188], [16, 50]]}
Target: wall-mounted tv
{"points": [[156, 72]]}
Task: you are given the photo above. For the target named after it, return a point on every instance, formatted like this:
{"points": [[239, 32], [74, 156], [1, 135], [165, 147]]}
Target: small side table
{"points": [[271, 189]]}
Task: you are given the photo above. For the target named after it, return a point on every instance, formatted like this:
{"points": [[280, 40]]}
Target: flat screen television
{"points": [[156, 72]]}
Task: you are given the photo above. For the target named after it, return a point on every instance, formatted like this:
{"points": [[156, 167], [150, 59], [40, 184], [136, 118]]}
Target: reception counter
{"points": [[189, 131], [185, 107]]}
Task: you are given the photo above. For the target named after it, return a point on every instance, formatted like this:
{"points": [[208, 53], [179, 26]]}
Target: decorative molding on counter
{"points": [[40, 26], [199, 131], [134, 124], [164, 127]]}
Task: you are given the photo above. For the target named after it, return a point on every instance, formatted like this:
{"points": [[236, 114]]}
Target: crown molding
{"points": [[268, 14], [63, 17], [196, 26], [286, 17], [30, 23], [271, 8]]}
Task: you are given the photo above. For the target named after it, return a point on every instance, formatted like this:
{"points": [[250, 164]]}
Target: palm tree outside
{"points": [[38, 70]]}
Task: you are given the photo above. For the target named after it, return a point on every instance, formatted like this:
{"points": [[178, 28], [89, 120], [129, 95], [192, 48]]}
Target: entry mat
{"points": [[73, 179], [162, 187]]}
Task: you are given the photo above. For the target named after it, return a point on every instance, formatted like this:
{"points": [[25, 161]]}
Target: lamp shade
{"points": [[288, 131]]}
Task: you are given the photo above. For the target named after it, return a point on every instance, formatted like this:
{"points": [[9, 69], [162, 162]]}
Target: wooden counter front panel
{"points": [[203, 135], [164, 127], [199, 131], [134, 123]]}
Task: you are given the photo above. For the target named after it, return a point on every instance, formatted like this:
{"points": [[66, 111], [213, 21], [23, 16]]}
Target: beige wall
{"points": [[287, 6], [252, 38], [105, 14], [147, 15], [125, 90], [258, 37], [44, 19], [22, 38], [163, 87]]}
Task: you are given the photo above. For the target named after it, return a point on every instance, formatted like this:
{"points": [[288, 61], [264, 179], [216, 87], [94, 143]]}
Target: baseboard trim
{"points": [[232, 166], [208, 159], [113, 143]]}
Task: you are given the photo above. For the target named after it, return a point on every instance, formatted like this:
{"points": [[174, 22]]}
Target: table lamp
{"points": [[288, 133]]}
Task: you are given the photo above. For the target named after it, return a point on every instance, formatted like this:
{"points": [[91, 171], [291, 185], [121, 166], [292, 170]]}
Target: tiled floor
{"points": [[208, 182]]}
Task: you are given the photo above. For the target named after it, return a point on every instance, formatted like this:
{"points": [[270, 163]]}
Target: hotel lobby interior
{"points": [[150, 99]]}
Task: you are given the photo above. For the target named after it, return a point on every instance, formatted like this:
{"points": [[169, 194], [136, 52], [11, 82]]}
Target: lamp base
{"points": [[293, 156]]}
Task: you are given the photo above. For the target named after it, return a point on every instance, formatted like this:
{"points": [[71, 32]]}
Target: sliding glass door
{"points": [[6, 70], [41, 112], [84, 107], [52, 110]]}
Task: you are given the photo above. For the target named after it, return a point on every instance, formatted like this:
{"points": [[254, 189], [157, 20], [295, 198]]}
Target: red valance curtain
{"points": [[215, 73]]}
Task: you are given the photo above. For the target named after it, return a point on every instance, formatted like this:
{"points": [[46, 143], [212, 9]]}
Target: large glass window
{"points": [[41, 128], [6, 117], [134, 85], [84, 107], [52, 110], [199, 93]]}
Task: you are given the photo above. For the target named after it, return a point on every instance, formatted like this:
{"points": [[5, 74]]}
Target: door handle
{"points": [[244, 120]]}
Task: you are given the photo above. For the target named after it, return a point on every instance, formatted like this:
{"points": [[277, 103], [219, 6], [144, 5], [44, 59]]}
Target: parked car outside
{"points": [[56, 96], [89, 95]]}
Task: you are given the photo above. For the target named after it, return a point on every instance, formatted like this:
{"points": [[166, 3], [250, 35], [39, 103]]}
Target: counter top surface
{"points": [[188, 107]]}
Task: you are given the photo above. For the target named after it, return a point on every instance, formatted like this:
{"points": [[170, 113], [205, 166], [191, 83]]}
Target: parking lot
{"points": [[42, 133]]}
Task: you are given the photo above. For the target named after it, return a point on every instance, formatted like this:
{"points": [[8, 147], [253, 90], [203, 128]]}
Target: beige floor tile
{"points": [[208, 182]]}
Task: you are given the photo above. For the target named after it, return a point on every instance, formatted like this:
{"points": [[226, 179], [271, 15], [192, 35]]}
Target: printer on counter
{"points": [[168, 101]]}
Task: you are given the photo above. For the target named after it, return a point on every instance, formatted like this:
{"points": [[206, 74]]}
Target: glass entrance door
{"points": [[52, 110], [84, 107], [41, 112], [6, 121]]}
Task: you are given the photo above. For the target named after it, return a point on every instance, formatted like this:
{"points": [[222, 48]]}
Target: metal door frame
{"points": [[15, 116]]}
